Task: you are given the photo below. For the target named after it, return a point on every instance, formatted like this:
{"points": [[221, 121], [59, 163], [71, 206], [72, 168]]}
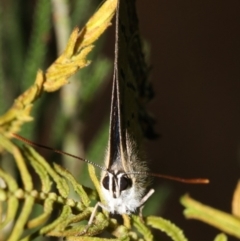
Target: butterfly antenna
{"points": [[177, 179], [34, 144]]}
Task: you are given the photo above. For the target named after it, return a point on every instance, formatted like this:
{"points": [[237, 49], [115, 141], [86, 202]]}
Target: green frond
{"points": [[73, 58], [5, 143], [219, 219], [48, 206], [166, 226], [142, 228], [26, 210], [12, 207], [221, 237], [61, 183], [69, 221], [12, 200], [76, 186]]}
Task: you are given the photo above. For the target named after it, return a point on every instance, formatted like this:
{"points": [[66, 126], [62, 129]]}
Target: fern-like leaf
{"points": [[72, 59], [219, 219]]}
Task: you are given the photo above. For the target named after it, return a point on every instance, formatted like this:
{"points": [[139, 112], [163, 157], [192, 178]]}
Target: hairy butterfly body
{"points": [[123, 187]]}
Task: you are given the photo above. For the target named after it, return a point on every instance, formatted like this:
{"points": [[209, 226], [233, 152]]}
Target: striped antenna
{"points": [[34, 144]]}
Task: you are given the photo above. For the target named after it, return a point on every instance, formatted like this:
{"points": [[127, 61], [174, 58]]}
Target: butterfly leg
{"points": [[147, 196], [144, 199], [90, 221]]}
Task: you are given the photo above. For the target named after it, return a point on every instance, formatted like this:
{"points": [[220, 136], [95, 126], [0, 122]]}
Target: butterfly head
{"points": [[116, 182], [120, 193], [122, 190]]}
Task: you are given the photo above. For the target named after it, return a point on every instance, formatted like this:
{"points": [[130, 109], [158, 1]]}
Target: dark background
{"points": [[195, 55]]}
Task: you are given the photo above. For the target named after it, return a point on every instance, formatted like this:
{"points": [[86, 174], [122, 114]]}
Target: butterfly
{"points": [[125, 177], [124, 183]]}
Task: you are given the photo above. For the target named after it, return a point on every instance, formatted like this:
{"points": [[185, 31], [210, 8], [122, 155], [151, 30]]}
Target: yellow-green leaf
{"points": [[219, 219]]}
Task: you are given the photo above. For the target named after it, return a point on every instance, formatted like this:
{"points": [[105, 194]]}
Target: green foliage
{"points": [[221, 237], [166, 226], [226, 222], [69, 222], [20, 195], [37, 49]]}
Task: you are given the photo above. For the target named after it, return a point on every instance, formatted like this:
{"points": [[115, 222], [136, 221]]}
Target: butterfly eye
{"points": [[105, 182], [125, 183]]}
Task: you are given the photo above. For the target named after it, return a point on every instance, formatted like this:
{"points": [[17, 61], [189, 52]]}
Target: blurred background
{"points": [[196, 57], [193, 48]]}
